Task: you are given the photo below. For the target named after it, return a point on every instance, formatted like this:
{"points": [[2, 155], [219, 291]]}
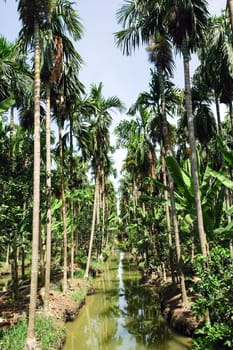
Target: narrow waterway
{"points": [[121, 315]]}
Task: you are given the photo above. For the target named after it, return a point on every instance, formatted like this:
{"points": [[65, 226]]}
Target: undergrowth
{"points": [[47, 333]]}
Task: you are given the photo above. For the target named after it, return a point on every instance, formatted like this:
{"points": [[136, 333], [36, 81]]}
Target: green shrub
{"points": [[217, 336], [215, 289]]}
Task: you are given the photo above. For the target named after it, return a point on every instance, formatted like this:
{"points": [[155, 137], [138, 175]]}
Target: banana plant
{"points": [[211, 189], [227, 183]]}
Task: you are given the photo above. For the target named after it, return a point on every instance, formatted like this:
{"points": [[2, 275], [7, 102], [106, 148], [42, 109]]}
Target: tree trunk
{"points": [[229, 219], [135, 196], [71, 201], [23, 255], [63, 199], [31, 340], [103, 240], [98, 202], [11, 140], [178, 248], [92, 225], [193, 159], [48, 195], [42, 260], [231, 114], [72, 238], [8, 256], [168, 218], [14, 269], [230, 5], [76, 240], [172, 198], [218, 115]]}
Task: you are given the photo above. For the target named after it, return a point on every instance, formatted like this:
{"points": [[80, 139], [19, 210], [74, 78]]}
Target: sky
{"points": [[122, 76]]}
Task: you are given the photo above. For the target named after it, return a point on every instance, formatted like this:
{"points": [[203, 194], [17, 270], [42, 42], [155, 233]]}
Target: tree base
{"points": [[32, 344]]}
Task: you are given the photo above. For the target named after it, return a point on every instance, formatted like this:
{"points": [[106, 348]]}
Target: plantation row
{"points": [[58, 209]]}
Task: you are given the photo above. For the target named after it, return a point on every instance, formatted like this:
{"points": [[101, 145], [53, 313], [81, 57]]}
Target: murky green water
{"points": [[121, 315]]}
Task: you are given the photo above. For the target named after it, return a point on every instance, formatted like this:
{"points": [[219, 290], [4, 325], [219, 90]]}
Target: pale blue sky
{"points": [[122, 76]]}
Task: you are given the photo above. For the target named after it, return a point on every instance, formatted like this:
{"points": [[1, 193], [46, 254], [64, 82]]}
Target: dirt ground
{"points": [[61, 305], [179, 317]]}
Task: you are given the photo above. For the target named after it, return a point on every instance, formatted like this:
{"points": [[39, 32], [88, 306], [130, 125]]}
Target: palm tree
{"points": [[33, 14], [160, 54], [161, 103], [99, 146], [58, 51], [204, 121], [186, 25], [184, 22], [15, 81], [63, 97], [149, 29], [215, 56], [128, 137], [7, 65]]}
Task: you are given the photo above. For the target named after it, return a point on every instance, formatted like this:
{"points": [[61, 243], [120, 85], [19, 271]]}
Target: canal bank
{"points": [[122, 314]]}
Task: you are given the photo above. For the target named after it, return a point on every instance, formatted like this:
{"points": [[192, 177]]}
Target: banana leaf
{"points": [[182, 180], [6, 104]]}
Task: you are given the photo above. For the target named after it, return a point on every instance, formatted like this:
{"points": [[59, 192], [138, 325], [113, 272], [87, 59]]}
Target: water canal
{"points": [[121, 315]]}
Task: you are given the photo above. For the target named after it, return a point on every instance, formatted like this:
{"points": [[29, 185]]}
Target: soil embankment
{"points": [[178, 316]]}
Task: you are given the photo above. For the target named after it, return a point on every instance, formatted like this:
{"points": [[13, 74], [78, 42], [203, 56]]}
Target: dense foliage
{"points": [[175, 193]]}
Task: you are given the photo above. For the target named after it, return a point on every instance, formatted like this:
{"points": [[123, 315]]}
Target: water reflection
{"points": [[121, 315]]}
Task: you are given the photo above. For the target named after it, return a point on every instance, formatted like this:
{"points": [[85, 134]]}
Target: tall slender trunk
{"points": [[11, 139], [193, 158], [230, 5], [48, 195], [72, 239], [71, 201], [92, 225], [42, 260], [178, 247], [167, 216], [98, 203], [231, 114], [14, 250], [172, 197], [31, 340], [164, 153], [152, 160], [8, 256], [76, 239], [218, 115], [14, 269], [63, 199], [22, 250], [229, 218], [135, 196], [103, 241]]}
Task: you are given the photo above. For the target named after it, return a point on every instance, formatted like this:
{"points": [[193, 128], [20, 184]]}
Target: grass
{"points": [[79, 294], [49, 334], [79, 273]]}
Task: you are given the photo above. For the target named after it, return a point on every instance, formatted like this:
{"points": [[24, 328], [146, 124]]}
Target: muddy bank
{"points": [[63, 307], [179, 317]]}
